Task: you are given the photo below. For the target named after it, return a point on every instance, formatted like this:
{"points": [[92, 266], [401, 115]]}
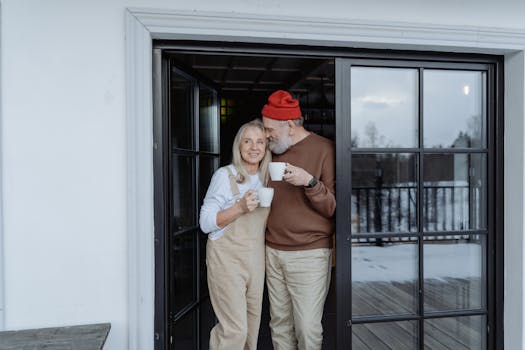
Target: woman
{"points": [[235, 249]]}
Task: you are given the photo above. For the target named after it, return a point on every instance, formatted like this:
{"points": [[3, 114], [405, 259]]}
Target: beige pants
{"points": [[235, 264], [298, 283]]}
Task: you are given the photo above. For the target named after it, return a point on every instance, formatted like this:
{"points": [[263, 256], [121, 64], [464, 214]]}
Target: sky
{"points": [[385, 106]]}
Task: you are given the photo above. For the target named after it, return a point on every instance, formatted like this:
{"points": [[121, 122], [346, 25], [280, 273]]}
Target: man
{"points": [[300, 226]]}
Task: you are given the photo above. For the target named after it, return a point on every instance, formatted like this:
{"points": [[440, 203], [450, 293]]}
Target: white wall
{"points": [[514, 206], [64, 152], [64, 165]]}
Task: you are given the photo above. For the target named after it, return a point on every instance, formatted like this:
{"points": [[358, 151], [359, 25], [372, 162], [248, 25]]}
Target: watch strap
{"points": [[313, 181]]}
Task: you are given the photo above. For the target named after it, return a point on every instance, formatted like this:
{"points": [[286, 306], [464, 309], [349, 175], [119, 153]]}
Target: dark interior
{"points": [[244, 83]]}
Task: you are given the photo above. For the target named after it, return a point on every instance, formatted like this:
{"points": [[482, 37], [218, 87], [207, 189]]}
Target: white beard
{"points": [[279, 147]]}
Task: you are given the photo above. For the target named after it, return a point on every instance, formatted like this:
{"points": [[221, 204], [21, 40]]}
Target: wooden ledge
{"points": [[82, 337]]}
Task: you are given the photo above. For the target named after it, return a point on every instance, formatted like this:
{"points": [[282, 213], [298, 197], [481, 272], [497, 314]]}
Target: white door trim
{"points": [[144, 25]]}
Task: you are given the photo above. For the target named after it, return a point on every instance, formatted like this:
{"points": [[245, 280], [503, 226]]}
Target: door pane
{"points": [[184, 333], [384, 278], [454, 197], [208, 121], [181, 110], [206, 322], [183, 270], [384, 193], [203, 271], [208, 165], [454, 109], [384, 107], [456, 333], [385, 336], [454, 273], [183, 185]]}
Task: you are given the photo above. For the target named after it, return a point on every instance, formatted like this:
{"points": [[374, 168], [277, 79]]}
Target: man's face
{"points": [[278, 136]]}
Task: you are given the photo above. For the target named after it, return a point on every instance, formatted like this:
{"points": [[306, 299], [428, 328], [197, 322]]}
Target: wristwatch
{"points": [[312, 182]]}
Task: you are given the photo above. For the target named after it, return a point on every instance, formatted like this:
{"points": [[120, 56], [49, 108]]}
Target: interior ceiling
{"points": [[312, 80]]}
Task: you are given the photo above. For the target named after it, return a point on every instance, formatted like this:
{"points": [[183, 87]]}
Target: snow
{"points": [[399, 262]]}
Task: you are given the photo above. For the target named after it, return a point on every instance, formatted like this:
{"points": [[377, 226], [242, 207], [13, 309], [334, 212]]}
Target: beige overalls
{"points": [[235, 264]]}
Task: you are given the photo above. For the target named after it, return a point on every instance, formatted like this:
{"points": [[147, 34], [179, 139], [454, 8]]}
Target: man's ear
{"points": [[292, 126]]}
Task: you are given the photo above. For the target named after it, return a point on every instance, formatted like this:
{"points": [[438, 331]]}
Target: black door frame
{"points": [[495, 167]]}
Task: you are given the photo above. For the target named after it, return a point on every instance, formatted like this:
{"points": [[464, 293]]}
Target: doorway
{"points": [[412, 190]]}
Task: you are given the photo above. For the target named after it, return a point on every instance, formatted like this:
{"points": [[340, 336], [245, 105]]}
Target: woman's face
{"points": [[253, 146]]}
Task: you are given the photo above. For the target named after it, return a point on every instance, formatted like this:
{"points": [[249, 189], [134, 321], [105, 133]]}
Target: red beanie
{"points": [[281, 106]]}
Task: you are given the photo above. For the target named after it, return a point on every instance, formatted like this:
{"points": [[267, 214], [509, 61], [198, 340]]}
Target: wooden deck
{"points": [[394, 298]]}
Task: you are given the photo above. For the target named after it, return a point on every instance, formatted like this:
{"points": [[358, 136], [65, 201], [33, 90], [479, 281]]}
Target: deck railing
{"points": [[393, 209]]}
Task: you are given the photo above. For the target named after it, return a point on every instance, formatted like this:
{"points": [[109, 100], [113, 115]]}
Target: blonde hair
{"points": [[237, 161]]}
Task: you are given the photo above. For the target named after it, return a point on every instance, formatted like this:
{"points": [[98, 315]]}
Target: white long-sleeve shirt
{"points": [[219, 197]]}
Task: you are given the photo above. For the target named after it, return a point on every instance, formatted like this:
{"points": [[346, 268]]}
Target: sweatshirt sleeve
{"points": [[322, 195], [216, 198]]}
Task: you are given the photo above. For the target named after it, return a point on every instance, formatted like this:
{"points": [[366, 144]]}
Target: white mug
{"points": [[277, 170], [265, 195]]}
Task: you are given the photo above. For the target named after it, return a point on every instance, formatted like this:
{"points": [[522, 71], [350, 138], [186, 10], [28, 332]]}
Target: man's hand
{"points": [[296, 176]]}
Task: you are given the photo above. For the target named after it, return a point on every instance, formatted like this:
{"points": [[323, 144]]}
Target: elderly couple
{"points": [[291, 241]]}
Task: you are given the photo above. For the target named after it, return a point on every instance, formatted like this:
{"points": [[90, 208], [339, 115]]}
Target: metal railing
{"points": [[393, 209]]}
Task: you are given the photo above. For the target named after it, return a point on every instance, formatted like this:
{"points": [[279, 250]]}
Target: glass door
{"points": [[186, 155], [413, 238]]}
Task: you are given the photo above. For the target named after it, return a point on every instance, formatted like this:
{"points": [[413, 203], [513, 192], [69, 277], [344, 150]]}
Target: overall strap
{"points": [[233, 182]]}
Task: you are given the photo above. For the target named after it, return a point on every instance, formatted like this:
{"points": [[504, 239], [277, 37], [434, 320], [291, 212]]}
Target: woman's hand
{"points": [[249, 201], [243, 205]]}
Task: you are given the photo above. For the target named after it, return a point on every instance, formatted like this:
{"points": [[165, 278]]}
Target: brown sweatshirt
{"points": [[301, 218]]}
